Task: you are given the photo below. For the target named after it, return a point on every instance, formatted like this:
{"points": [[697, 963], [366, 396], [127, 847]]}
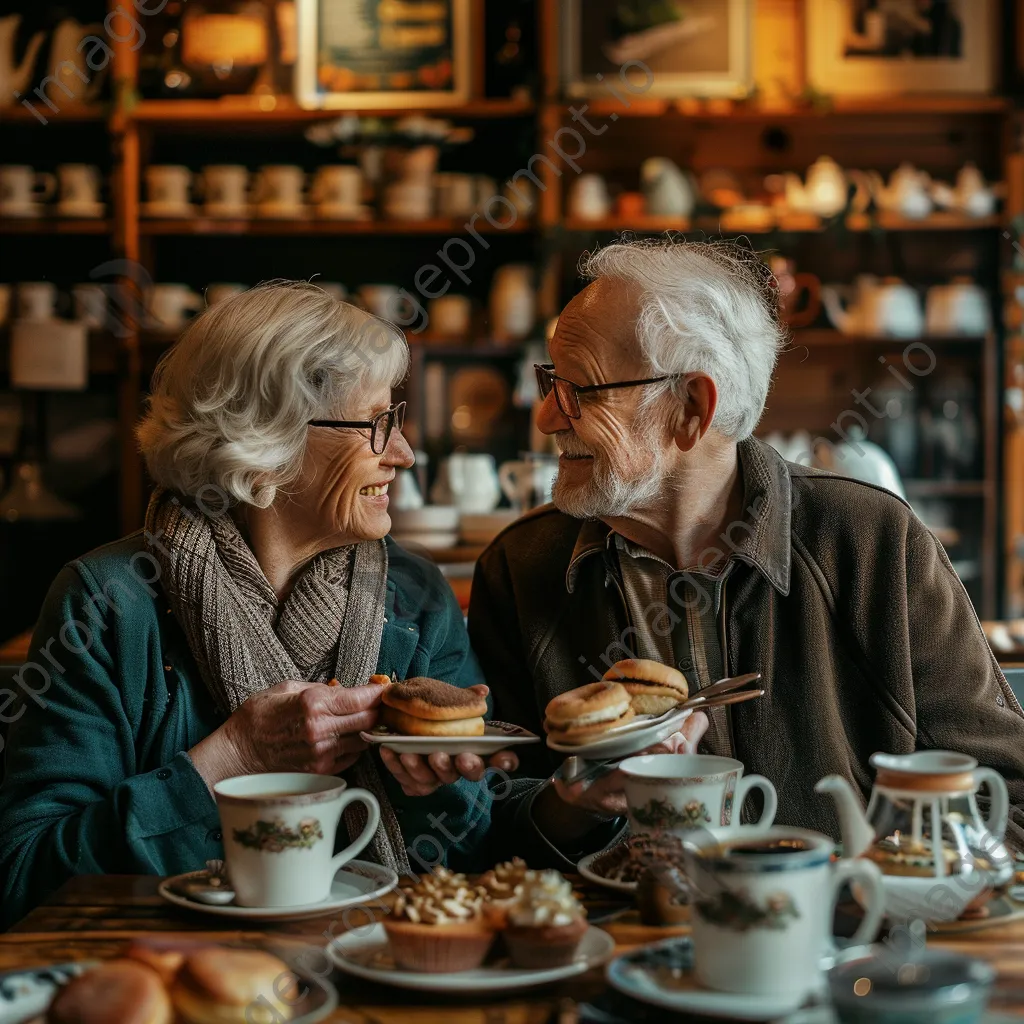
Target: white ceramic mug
{"points": [[450, 316], [168, 304], [90, 304], [279, 830], [337, 187], [219, 292], [279, 190], [678, 793], [456, 194], [588, 198], [79, 184], [385, 301], [409, 200], [958, 308], [22, 188], [37, 300], [225, 189], [169, 186], [762, 919]]}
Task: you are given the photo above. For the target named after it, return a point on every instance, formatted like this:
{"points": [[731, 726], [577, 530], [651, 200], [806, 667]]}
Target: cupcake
{"points": [[503, 883], [545, 923], [437, 925]]}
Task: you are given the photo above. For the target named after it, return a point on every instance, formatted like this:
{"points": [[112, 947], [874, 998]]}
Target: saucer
{"points": [[497, 736], [94, 209], [638, 734], [337, 211], [364, 953], [167, 211], [19, 210], [282, 211], [357, 882], [662, 975], [227, 211]]}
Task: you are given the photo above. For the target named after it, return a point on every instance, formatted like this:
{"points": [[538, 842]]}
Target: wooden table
{"points": [[93, 916]]}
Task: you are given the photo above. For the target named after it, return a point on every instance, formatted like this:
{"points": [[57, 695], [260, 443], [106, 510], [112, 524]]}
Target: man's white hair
{"points": [[704, 308], [231, 399]]}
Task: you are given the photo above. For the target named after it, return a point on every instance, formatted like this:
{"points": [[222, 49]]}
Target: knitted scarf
{"points": [[245, 640]]}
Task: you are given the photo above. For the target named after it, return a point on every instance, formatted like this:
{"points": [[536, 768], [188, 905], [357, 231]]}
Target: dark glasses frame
{"points": [[567, 392], [392, 416]]}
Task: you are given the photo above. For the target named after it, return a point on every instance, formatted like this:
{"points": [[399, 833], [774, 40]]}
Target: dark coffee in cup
{"points": [[766, 847]]}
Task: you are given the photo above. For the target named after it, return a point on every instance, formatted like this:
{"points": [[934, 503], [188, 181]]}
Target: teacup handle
{"points": [[46, 183], [771, 799], [1000, 809], [373, 820], [867, 873]]}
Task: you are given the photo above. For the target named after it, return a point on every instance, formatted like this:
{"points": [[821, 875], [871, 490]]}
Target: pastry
{"points": [[581, 715], [437, 925], [545, 923], [429, 707], [504, 881], [234, 986], [654, 688], [165, 956], [125, 991]]}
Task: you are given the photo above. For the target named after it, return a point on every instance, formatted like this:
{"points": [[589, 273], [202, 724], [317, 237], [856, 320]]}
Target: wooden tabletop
{"points": [[93, 916]]}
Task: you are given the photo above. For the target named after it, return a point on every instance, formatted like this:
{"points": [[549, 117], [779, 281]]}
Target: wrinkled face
{"points": [[342, 493], [613, 457]]}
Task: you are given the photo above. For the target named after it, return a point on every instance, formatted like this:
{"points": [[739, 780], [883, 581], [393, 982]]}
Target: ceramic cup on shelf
{"points": [[89, 301], [23, 190], [279, 191], [279, 830], [80, 186], [456, 194], [168, 190], [225, 190], [37, 300], [512, 303], [678, 793], [409, 200], [337, 191], [588, 198], [386, 301], [959, 308], [168, 305], [221, 290], [763, 908], [450, 316]]}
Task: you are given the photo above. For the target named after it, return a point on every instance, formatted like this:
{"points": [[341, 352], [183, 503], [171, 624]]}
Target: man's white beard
{"points": [[606, 493]]}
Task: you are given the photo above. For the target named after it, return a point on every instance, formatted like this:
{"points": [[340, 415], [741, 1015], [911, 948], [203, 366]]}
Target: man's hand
{"points": [[292, 727], [420, 776]]}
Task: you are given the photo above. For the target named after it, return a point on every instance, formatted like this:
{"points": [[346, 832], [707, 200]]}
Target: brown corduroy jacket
{"points": [[841, 598]]}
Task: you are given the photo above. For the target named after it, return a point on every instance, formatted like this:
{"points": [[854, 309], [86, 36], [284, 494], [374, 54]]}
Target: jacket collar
{"points": [[762, 540]]}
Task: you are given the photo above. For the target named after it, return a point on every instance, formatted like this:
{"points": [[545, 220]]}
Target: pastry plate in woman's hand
{"points": [[497, 736], [637, 734]]}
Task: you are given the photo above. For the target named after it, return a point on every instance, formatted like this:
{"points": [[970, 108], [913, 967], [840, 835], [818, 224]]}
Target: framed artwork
{"points": [[673, 47], [383, 53], [865, 47]]}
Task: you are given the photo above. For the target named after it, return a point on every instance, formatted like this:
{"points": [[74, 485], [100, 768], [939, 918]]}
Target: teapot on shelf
{"points": [[668, 190], [874, 308], [938, 855], [824, 192], [971, 195], [468, 481], [77, 78], [908, 193], [14, 77]]}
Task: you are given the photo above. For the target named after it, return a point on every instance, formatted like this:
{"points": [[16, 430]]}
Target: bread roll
{"points": [[234, 986], [124, 991]]}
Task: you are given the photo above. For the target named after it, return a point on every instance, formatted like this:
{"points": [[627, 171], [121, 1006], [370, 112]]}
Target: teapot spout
{"points": [[857, 833]]}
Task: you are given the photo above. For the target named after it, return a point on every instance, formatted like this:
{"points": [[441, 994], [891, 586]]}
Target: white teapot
{"points": [[971, 195], [874, 308], [468, 481], [77, 79], [907, 194], [960, 307], [668, 190], [825, 190]]}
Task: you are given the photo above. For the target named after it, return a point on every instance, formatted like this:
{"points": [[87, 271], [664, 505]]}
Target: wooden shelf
{"points": [[947, 488], [434, 226], [284, 110], [445, 350], [78, 112], [815, 337], [638, 224], [42, 226]]}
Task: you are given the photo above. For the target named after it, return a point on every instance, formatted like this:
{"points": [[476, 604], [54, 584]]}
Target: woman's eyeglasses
{"points": [[380, 426], [567, 393]]}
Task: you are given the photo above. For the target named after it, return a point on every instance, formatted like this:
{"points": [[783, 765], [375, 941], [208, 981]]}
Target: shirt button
{"points": [[163, 773], [1001, 701], [215, 835]]}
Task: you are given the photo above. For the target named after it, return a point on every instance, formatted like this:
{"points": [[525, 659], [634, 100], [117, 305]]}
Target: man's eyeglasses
{"points": [[380, 426], [567, 393]]}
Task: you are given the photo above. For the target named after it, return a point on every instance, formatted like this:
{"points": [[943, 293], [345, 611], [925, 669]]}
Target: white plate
{"points": [[497, 736], [357, 882], [586, 870], [632, 975], [96, 209], [169, 211], [364, 952], [636, 735]]}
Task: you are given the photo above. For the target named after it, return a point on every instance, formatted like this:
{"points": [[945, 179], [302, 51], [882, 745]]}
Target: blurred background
{"points": [[444, 163]]}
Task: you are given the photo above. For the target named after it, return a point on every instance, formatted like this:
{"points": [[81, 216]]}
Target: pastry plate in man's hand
{"points": [[636, 735], [497, 736]]}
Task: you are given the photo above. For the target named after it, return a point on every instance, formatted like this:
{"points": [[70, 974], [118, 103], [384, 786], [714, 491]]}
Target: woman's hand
{"points": [[293, 727]]}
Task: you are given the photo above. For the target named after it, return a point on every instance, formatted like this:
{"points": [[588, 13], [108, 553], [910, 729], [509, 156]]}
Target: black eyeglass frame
{"points": [[546, 378], [393, 414]]}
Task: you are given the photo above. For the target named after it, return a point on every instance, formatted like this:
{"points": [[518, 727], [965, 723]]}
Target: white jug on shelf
{"points": [[908, 193], [468, 481], [513, 304], [824, 191], [972, 195], [668, 190], [960, 307], [76, 79]]}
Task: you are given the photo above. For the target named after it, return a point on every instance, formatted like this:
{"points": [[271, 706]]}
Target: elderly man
{"points": [[677, 536]]}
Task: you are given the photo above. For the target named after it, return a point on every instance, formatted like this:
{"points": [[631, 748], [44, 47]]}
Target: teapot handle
{"points": [[1000, 809]]}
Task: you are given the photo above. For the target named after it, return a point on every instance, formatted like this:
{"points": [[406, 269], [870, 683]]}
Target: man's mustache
{"points": [[569, 444]]}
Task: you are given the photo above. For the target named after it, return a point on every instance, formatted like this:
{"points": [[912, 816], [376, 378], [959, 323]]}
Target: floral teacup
{"points": [[279, 832], [681, 792]]}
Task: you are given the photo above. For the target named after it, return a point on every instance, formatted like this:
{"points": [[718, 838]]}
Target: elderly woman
{"points": [[198, 648]]}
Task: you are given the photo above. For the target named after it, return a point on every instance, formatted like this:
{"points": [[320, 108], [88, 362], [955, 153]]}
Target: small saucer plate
{"points": [[641, 732], [586, 870], [364, 952], [83, 210], [497, 736], [227, 211], [169, 211], [21, 211], [357, 882], [337, 211], [282, 211]]}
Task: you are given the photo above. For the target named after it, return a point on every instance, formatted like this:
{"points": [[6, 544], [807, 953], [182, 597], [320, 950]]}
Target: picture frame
{"points": [[875, 47], [393, 55], [704, 53]]}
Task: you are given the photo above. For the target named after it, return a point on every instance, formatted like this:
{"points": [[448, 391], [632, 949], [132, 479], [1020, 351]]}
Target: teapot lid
{"points": [[925, 762]]}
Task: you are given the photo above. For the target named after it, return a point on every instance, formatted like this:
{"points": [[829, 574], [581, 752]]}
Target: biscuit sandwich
{"points": [[653, 688], [125, 991], [429, 707], [581, 715]]}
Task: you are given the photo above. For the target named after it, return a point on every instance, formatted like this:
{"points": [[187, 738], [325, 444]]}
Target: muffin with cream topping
{"points": [[545, 923], [437, 925], [504, 881]]}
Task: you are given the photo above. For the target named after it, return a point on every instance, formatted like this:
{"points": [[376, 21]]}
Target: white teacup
{"points": [[450, 316], [279, 190], [279, 830], [22, 189], [409, 200], [337, 188], [79, 185], [456, 194], [37, 300], [225, 189], [762, 922], [168, 304], [385, 301], [169, 186], [588, 198], [678, 793]]}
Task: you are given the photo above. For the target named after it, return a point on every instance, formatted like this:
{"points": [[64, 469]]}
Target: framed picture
{"points": [[865, 47], [688, 47], [383, 53]]}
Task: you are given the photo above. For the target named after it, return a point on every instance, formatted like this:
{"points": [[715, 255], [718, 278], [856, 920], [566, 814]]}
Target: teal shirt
{"points": [[97, 779]]}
